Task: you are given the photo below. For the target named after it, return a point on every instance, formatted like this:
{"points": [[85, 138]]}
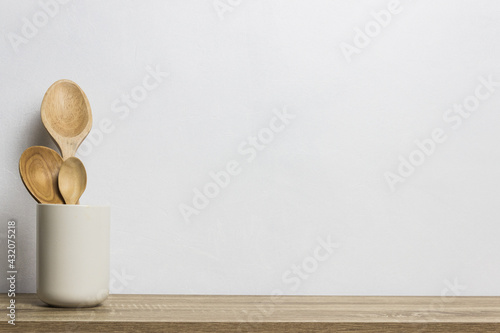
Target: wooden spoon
{"points": [[66, 115], [39, 168], [72, 180]]}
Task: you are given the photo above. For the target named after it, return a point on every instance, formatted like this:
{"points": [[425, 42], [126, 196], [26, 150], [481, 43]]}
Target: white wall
{"points": [[322, 178]]}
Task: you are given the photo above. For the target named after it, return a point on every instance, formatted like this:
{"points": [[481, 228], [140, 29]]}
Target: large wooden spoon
{"points": [[72, 180], [39, 168], [66, 115]]}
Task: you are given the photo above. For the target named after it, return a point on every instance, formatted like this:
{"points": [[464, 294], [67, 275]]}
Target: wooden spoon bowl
{"points": [[72, 180], [66, 115], [39, 168]]}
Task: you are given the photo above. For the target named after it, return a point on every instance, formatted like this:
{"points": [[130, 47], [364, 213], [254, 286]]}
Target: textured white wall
{"points": [[307, 114]]}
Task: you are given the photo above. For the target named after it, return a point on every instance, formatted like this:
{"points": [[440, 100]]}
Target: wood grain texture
{"points": [[66, 115], [72, 180], [183, 313], [39, 168]]}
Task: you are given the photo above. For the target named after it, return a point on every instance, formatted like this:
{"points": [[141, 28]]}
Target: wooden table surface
{"points": [[191, 313]]}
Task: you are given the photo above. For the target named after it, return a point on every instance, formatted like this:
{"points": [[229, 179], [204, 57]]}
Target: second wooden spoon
{"points": [[72, 180], [39, 167]]}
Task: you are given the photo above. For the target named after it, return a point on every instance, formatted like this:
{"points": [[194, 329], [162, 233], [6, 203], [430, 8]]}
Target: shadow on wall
{"points": [[33, 134], [38, 135], [16, 203]]}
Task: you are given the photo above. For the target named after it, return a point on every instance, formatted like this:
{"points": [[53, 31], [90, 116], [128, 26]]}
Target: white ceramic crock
{"points": [[72, 262]]}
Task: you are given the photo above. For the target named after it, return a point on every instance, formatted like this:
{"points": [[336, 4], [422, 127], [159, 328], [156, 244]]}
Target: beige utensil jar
{"points": [[72, 259]]}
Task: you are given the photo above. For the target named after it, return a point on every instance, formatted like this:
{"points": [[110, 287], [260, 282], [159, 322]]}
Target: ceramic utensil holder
{"points": [[72, 262]]}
